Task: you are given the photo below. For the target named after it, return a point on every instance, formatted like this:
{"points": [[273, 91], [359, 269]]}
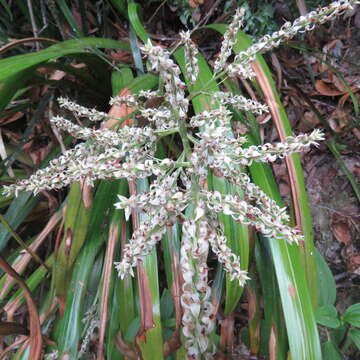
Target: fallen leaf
{"points": [[341, 232], [324, 89]]}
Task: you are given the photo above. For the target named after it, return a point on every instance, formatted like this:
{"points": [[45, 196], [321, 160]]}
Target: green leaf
{"points": [[352, 315], [273, 324], [166, 305], [337, 335], [355, 336], [132, 330], [330, 351], [69, 328], [11, 85], [18, 210], [327, 285], [69, 17], [120, 79], [14, 64], [133, 13], [327, 316], [121, 6], [76, 221]]}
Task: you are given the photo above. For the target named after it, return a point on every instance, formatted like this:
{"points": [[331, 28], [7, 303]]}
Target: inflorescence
{"points": [[179, 193]]}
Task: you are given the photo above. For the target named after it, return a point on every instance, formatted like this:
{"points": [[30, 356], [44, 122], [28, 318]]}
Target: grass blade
{"points": [[77, 217], [136, 23], [14, 64]]}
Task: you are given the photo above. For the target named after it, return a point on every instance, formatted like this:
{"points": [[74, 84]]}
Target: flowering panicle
{"points": [[94, 324], [90, 162], [266, 222], [229, 40], [191, 62], [170, 73], [241, 102], [179, 191], [225, 255], [198, 317], [148, 94], [216, 117], [242, 62], [128, 100], [161, 117], [162, 204], [124, 138], [54, 355], [81, 111], [227, 152]]}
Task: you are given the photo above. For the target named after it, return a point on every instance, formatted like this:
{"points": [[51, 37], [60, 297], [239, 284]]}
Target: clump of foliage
{"points": [[197, 192]]}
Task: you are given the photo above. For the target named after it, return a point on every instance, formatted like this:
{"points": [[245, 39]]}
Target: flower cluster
{"points": [[100, 158], [242, 62], [229, 40], [192, 67], [170, 73], [241, 102], [162, 204], [179, 193], [198, 317], [82, 111]]}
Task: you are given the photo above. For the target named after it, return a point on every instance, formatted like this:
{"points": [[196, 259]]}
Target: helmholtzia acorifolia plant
{"points": [[179, 193]]}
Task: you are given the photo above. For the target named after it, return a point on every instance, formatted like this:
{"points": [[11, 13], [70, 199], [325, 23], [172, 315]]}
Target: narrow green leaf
{"points": [[121, 6], [14, 64], [272, 328], [123, 309], [133, 12], [77, 218], [33, 281], [7, 8], [300, 321], [18, 210], [327, 316], [255, 302], [69, 17], [11, 85], [68, 329]]}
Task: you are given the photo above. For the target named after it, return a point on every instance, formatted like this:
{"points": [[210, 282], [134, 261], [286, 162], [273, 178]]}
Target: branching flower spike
{"points": [[178, 194]]}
